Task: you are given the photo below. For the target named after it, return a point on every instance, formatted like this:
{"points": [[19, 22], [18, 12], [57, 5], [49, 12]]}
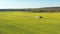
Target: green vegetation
{"points": [[43, 9], [27, 23]]}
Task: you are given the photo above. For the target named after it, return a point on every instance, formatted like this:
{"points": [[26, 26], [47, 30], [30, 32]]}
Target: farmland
{"points": [[29, 23]]}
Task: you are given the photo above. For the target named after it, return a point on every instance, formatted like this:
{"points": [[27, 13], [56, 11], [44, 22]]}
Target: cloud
{"points": [[7, 4]]}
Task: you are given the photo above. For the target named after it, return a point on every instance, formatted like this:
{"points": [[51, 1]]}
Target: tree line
{"points": [[46, 9]]}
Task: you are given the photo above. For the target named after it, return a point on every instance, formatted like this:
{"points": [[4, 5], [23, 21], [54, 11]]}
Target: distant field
{"points": [[29, 23]]}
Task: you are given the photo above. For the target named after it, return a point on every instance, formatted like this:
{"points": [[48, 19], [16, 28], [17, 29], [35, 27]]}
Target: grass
{"points": [[27, 23]]}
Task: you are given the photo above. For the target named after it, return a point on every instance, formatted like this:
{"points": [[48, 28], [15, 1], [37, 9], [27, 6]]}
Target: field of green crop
{"points": [[29, 23]]}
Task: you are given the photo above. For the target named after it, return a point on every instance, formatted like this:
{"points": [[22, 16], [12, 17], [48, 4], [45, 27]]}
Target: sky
{"points": [[15, 4]]}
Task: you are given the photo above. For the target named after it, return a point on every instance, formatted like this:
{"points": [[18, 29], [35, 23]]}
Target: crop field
{"points": [[29, 23]]}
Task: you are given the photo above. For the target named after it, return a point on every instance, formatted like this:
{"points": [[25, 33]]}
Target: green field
{"points": [[28, 23]]}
